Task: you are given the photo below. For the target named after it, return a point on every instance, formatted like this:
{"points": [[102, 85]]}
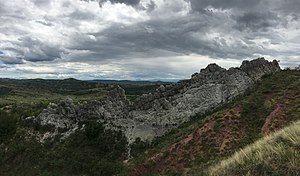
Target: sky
{"points": [[143, 39]]}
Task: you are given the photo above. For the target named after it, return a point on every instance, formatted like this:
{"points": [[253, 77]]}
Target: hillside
{"points": [[90, 136], [23, 150], [271, 105], [276, 154]]}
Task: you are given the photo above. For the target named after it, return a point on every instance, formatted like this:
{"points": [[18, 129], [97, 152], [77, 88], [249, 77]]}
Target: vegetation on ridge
{"points": [[272, 104], [276, 154], [190, 149], [92, 151]]}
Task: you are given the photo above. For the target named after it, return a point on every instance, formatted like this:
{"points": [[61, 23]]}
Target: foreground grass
{"points": [[276, 154]]}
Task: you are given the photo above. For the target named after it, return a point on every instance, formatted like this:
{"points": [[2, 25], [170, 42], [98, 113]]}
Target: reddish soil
{"points": [[233, 130], [275, 120], [218, 134]]}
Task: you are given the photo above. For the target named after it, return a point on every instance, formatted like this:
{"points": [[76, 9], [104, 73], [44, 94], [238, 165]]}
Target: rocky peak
{"points": [[212, 68], [153, 115], [258, 67], [116, 93]]}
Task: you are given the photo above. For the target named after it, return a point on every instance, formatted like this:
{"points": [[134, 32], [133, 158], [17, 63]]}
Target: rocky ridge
{"points": [[153, 115]]}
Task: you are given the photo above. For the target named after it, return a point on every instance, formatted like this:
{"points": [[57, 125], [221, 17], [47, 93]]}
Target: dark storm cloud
{"points": [[257, 20], [288, 6], [79, 15], [42, 3], [3, 10], [11, 59], [45, 23], [152, 39], [2, 66], [156, 38], [224, 4], [30, 49], [36, 50], [128, 2], [160, 36], [151, 6], [132, 37]]}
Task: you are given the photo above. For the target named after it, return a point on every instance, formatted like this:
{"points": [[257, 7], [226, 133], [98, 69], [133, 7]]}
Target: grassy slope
{"points": [[38, 90], [209, 138], [276, 154]]}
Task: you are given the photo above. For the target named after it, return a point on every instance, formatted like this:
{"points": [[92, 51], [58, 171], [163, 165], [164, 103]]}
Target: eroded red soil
{"points": [[215, 136]]}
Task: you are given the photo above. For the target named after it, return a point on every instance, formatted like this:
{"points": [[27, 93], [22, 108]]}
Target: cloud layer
{"points": [[142, 39]]}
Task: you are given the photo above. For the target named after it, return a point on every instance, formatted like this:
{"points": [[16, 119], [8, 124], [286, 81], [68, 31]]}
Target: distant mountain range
{"points": [[120, 82]]}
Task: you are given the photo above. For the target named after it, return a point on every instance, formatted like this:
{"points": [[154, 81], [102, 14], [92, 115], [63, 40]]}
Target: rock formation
{"points": [[153, 115]]}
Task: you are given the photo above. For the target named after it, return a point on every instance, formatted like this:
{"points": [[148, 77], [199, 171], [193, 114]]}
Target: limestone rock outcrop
{"points": [[259, 67], [153, 115]]}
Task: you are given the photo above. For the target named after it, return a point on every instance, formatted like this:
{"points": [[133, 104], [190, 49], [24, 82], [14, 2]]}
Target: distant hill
{"points": [[122, 82], [6, 79], [35, 90]]}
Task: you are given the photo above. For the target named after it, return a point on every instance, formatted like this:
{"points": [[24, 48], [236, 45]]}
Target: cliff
{"points": [[155, 114]]}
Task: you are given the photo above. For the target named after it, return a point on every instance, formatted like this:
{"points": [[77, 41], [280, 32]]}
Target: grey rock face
{"points": [[259, 67], [153, 115], [65, 116]]}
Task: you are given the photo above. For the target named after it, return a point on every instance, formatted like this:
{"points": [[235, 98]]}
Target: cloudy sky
{"points": [[142, 39]]}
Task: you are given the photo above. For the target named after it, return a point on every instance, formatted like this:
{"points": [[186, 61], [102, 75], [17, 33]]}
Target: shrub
{"points": [[7, 125], [93, 130]]}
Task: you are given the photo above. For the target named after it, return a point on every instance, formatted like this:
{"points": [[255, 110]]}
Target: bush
{"points": [[4, 91], [108, 168], [93, 130], [139, 146], [7, 125]]}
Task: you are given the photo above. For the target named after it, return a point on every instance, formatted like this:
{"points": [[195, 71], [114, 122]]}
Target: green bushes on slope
{"points": [[7, 125]]}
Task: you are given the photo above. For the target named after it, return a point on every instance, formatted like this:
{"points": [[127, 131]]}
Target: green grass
{"points": [[276, 154]]}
